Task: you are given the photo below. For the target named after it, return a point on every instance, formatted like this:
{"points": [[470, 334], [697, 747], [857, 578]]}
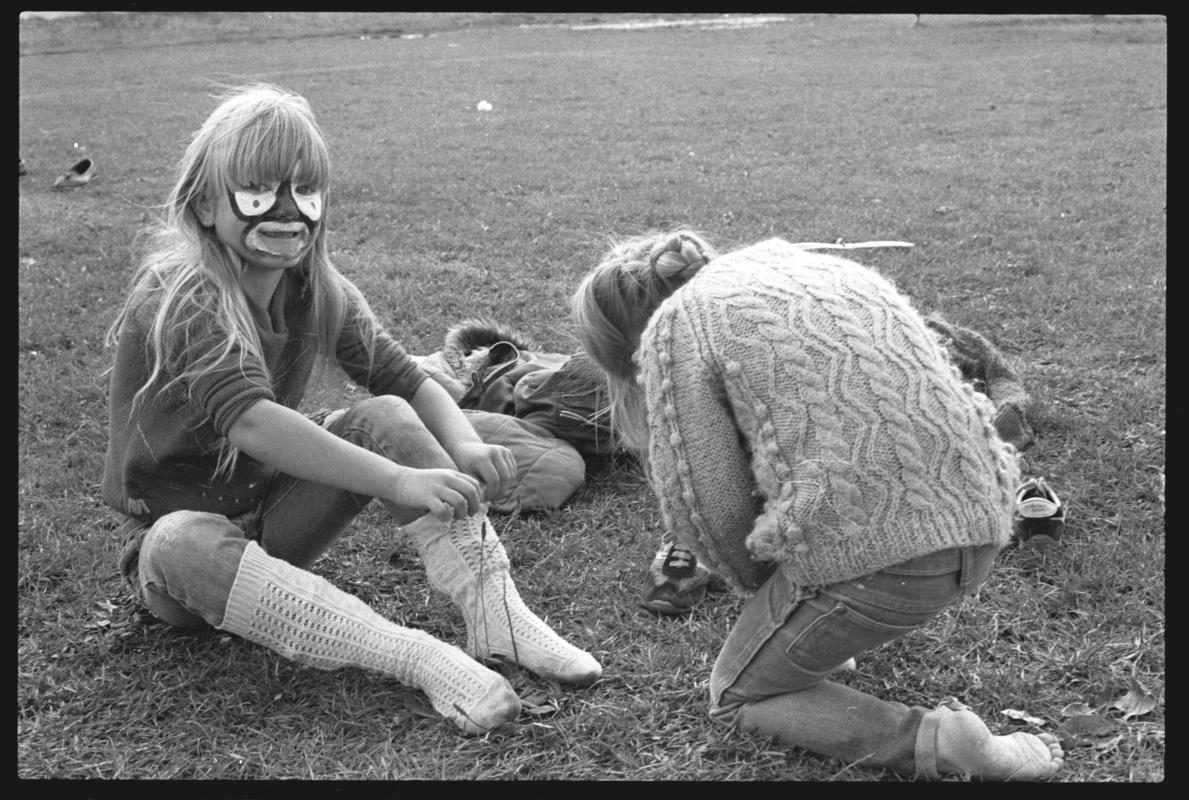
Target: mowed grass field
{"points": [[1024, 157]]}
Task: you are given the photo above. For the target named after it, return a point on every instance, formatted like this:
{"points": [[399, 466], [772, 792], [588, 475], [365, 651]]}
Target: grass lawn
{"points": [[1024, 157]]}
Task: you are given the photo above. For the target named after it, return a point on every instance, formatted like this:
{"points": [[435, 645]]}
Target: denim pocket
{"points": [[839, 633]]}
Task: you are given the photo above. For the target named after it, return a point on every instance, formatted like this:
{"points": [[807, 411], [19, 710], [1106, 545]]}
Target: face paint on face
{"points": [[309, 201], [251, 203], [280, 221], [256, 201]]}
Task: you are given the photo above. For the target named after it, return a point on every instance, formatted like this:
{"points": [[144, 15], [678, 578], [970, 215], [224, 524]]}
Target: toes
{"points": [[1054, 745]]}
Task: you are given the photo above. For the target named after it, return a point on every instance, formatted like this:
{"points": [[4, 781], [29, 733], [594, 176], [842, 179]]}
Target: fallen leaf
{"points": [[953, 704], [1074, 709], [1023, 716], [1136, 702], [1082, 726], [1109, 744]]}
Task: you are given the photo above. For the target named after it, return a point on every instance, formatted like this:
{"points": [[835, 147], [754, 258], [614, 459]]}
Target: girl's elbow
{"points": [[247, 428]]}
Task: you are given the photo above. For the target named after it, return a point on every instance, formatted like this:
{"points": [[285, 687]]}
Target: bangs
{"points": [[275, 144]]}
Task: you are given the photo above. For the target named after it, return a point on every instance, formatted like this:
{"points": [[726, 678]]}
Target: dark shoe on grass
{"points": [[675, 582], [1039, 517]]}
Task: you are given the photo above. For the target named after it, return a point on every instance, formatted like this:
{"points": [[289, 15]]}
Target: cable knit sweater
{"points": [[800, 412]]}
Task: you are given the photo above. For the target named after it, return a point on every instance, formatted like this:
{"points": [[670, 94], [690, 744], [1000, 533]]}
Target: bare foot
{"points": [[966, 746]]}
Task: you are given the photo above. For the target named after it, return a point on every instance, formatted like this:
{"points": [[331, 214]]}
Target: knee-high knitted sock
{"points": [[306, 618], [466, 560]]}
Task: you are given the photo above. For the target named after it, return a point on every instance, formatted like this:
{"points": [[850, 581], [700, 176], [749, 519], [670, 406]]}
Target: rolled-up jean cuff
{"points": [[132, 532], [926, 746]]}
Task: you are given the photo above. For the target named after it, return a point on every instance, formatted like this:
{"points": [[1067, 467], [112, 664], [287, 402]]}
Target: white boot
{"points": [[466, 560], [308, 619]]}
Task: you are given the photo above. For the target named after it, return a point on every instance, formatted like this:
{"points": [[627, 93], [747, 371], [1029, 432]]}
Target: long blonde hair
{"points": [[259, 133], [612, 307]]}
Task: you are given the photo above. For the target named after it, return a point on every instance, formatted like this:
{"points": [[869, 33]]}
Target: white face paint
{"points": [[257, 200], [281, 239], [309, 201]]}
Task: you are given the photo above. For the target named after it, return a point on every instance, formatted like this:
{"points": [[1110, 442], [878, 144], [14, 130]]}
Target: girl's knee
{"points": [[184, 539], [386, 408], [187, 565], [388, 425], [377, 418]]}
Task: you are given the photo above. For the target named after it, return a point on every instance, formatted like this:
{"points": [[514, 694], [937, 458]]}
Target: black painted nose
{"points": [[285, 208]]}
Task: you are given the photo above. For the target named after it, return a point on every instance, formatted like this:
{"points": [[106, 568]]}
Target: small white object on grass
{"points": [[483, 106]]}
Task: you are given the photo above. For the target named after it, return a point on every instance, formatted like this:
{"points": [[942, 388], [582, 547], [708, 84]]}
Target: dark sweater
{"points": [[162, 456]]}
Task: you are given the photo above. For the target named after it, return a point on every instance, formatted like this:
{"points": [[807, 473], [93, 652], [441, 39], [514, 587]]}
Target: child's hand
{"points": [[492, 464], [442, 492]]}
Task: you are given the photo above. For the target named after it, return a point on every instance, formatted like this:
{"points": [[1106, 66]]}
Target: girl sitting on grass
{"points": [[231, 493], [809, 440]]}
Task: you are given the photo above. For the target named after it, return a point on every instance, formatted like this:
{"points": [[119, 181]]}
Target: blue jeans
{"points": [[182, 567], [770, 677]]}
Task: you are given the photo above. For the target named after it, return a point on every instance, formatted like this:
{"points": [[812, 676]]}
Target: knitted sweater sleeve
{"points": [[698, 465]]}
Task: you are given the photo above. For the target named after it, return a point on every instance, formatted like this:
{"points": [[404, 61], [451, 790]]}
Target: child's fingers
{"points": [[455, 505], [507, 465], [449, 494], [501, 473], [488, 477], [469, 493], [491, 475], [442, 511], [453, 480]]}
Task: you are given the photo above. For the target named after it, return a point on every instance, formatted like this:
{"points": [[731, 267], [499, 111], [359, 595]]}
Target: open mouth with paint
{"points": [[280, 239]]}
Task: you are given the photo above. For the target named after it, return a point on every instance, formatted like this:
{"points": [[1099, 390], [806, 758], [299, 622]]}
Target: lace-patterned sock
{"points": [[466, 560], [306, 618]]}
